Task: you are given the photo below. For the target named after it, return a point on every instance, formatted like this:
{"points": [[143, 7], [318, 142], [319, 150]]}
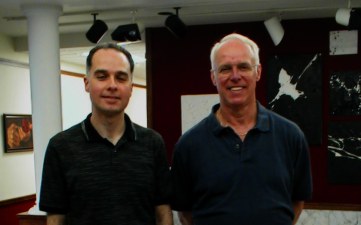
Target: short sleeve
{"points": [[302, 188], [53, 196]]}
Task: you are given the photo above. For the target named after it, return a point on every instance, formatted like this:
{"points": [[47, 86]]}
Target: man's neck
{"points": [[241, 115], [240, 119], [109, 127]]}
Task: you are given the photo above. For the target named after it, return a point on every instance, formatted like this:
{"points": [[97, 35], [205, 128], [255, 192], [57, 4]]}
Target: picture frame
{"points": [[294, 90], [18, 132]]}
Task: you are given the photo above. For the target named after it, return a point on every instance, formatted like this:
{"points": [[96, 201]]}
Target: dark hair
{"points": [[108, 45]]}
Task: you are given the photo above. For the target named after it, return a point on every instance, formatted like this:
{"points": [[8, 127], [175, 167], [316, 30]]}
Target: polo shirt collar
{"points": [[262, 124], [92, 135], [263, 121], [213, 122]]}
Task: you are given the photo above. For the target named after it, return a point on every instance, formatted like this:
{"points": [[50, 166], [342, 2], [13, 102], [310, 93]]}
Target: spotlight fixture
{"points": [[349, 17], [129, 32], [97, 30], [275, 29], [174, 24]]}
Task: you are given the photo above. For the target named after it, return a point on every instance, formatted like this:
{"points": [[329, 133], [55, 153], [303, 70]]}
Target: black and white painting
{"points": [[343, 42], [344, 152], [345, 93], [294, 90]]}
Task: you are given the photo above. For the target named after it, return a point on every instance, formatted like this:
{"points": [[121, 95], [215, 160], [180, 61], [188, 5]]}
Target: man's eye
{"points": [[224, 70], [100, 76], [245, 67], [122, 77]]}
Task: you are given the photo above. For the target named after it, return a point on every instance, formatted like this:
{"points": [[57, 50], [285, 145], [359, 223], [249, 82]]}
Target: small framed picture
{"points": [[18, 132]]}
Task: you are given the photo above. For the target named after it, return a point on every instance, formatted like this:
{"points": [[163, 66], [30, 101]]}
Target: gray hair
{"points": [[235, 36]]}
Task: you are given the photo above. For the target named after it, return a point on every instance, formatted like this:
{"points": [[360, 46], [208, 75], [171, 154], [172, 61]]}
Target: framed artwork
{"points": [[294, 90], [344, 152], [18, 132], [345, 93]]}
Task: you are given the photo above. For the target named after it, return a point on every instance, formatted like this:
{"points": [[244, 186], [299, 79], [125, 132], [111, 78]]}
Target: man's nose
{"points": [[236, 73], [112, 82]]}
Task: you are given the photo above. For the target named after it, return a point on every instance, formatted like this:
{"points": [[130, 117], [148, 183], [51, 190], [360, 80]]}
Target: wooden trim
{"points": [[333, 206], [140, 86], [26, 215], [64, 72], [26, 219], [17, 200]]}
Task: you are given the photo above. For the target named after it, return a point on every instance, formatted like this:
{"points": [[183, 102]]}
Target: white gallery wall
{"points": [[17, 176]]}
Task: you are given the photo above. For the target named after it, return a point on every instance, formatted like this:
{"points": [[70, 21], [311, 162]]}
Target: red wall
{"points": [[9, 210], [181, 66]]}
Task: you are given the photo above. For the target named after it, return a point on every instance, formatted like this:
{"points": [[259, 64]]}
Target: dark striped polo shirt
{"points": [[92, 181]]}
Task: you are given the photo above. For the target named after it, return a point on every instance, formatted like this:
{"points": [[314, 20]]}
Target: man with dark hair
{"points": [[106, 169]]}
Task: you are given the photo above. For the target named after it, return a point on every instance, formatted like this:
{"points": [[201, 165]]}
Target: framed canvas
{"points": [[345, 93], [18, 132], [344, 152], [294, 90]]}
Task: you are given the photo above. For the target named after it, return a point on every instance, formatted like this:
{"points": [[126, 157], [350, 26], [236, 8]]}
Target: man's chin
{"points": [[110, 111]]}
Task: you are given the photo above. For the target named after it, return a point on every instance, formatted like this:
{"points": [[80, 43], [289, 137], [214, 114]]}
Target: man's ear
{"points": [[213, 78], [86, 83], [259, 72]]}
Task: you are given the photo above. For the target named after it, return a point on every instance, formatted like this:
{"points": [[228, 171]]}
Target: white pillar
{"points": [[44, 58]]}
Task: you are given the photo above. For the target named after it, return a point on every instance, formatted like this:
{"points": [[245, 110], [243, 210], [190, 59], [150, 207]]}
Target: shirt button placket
{"points": [[237, 147]]}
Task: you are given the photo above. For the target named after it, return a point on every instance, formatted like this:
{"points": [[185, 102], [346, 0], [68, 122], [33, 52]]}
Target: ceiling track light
{"points": [[174, 24], [97, 30], [128, 32], [350, 17], [275, 29]]}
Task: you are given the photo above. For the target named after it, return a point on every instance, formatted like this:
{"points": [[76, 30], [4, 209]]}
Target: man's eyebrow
{"points": [[100, 71], [122, 72]]}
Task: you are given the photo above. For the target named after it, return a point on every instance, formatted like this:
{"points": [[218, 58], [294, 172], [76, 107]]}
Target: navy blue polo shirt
{"points": [[224, 180]]}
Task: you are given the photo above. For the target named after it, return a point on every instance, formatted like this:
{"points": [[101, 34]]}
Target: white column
{"points": [[44, 58]]}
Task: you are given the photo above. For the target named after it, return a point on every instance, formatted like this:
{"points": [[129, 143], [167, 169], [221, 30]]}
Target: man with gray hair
{"points": [[242, 164]]}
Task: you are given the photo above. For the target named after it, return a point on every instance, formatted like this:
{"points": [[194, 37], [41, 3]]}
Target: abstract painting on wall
{"points": [[294, 90], [345, 93], [344, 152], [18, 132]]}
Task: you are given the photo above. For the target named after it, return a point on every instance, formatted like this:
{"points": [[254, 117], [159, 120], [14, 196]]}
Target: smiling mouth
{"points": [[235, 88]]}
